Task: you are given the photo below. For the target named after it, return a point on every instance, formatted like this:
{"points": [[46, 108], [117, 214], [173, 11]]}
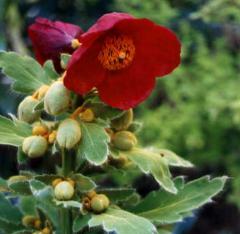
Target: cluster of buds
{"points": [[63, 189], [96, 203]]}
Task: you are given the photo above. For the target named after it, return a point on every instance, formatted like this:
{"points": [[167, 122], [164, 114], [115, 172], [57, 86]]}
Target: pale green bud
{"points": [[57, 99], [123, 122], [26, 110], [64, 191], [68, 134], [124, 140], [35, 146], [99, 203]]}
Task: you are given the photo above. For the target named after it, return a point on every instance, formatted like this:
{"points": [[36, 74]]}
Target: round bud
{"points": [[87, 115], [68, 134], [56, 182], [91, 194], [64, 191], [124, 140], [52, 137], [56, 99], [39, 130], [37, 223], [15, 179], [29, 220], [46, 230], [35, 146], [26, 110], [123, 122], [99, 203]]}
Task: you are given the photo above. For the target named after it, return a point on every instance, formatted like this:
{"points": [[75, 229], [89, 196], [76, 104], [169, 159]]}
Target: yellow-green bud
{"points": [[26, 110], [124, 140], [31, 221], [15, 179], [35, 146], [99, 203], [64, 191], [68, 134], [57, 99], [123, 122]]}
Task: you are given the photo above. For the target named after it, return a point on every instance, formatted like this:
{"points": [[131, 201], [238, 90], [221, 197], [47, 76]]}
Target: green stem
{"points": [[65, 213]]}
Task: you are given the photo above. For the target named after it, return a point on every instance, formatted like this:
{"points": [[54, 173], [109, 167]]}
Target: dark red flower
{"points": [[51, 38], [121, 56]]}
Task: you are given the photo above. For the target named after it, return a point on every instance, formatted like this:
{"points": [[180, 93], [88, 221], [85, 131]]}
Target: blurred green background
{"points": [[194, 112]]}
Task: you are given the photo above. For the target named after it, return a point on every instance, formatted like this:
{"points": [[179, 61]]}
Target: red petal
{"points": [[105, 23], [50, 38], [156, 45], [126, 88], [84, 70]]}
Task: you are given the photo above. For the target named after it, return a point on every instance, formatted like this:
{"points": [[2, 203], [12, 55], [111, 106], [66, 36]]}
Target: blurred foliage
{"points": [[196, 110]]}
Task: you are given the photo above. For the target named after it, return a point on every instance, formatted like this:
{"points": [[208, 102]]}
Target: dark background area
{"points": [[194, 112]]}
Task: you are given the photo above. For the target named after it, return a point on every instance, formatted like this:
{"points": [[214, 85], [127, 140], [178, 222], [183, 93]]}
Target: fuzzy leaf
{"points": [[8, 212], [150, 162], [94, 143], [80, 222], [27, 205], [83, 183], [50, 70], [122, 222], [161, 207], [172, 158], [13, 132], [27, 73], [20, 187]]}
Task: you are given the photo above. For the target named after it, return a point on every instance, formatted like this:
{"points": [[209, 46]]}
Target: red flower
{"points": [[51, 38], [121, 56]]}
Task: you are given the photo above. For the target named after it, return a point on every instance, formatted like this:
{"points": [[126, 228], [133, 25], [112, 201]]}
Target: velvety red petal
{"points": [[126, 88], [50, 38], [104, 23], [84, 70], [156, 45]]}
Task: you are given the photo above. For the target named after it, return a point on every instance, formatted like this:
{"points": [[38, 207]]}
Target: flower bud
{"points": [[68, 134], [31, 221], [57, 99], [52, 137], [46, 230], [35, 146], [56, 182], [42, 91], [91, 194], [64, 191], [124, 140], [26, 110], [99, 203], [123, 122], [15, 179], [39, 130], [87, 115]]}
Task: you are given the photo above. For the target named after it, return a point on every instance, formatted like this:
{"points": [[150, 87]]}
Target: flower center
{"points": [[117, 52]]}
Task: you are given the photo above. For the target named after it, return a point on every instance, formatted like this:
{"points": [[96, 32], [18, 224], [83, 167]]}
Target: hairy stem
{"points": [[65, 213]]}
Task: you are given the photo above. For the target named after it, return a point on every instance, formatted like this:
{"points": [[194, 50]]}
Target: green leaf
{"points": [[22, 158], [161, 207], [69, 204], [80, 222], [50, 70], [150, 162], [9, 227], [3, 185], [83, 183], [20, 187], [13, 132], [117, 194], [173, 159], [94, 143], [39, 106], [8, 212], [28, 75], [122, 222], [27, 205], [65, 59]]}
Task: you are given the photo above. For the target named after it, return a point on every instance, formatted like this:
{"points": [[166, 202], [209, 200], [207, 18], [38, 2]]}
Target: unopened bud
{"points": [[26, 110], [124, 140], [46, 230], [87, 115], [123, 122], [30, 221], [37, 223], [56, 182], [39, 130], [42, 91], [52, 137], [57, 99], [15, 179], [64, 191], [99, 203], [68, 134], [35, 146], [91, 194]]}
